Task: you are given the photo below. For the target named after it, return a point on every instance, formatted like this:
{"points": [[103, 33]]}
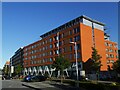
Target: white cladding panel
{"points": [[12, 69], [106, 38], [87, 22], [97, 26]]}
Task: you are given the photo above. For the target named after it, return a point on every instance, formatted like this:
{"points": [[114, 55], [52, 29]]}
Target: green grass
{"points": [[91, 85]]}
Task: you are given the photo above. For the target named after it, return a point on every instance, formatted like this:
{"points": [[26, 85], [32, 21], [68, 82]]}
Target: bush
{"points": [[88, 85], [99, 86]]}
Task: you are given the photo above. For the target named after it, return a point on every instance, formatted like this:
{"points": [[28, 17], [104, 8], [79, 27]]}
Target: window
{"points": [[78, 46], [55, 38], [46, 54], [26, 49], [43, 42], [110, 45], [26, 54], [56, 51], [70, 56], [34, 62], [115, 46], [26, 58], [76, 38], [39, 61], [107, 49], [43, 61], [111, 61], [106, 44], [110, 50], [79, 65], [59, 36], [76, 30], [51, 53], [78, 55], [46, 48], [43, 48], [60, 50], [70, 32], [46, 41], [34, 56], [32, 46], [40, 50], [56, 44], [116, 51], [51, 46], [63, 42], [51, 59], [107, 56], [62, 35], [60, 43], [111, 56], [32, 51], [108, 61], [50, 39], [74, 55], [70, 48], [40, 44], [35, 46], [70, 39], [65, 49]]}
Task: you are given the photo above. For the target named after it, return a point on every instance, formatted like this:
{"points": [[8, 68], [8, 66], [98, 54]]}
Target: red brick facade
{"points": [[84, 31]]}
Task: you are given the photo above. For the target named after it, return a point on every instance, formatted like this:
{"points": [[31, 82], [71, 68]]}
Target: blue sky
{"points": [[23, 23]]}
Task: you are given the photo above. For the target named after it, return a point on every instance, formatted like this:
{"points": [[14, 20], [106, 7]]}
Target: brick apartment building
{"points": [[17, 59], [111, 52], [86, 32]]}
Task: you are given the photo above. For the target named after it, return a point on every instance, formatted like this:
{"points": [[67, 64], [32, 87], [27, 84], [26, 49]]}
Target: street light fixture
{"points": [[76, 61]]}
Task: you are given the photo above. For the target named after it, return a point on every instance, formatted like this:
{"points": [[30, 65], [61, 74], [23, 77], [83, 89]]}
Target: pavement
{"points": [[13, 85], [49, 85]]}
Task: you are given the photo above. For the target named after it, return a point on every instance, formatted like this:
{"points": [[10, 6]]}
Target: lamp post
{"points": [[76, 61]]}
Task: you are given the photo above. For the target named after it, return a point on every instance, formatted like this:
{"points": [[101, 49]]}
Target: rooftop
{"points": [[69, 24], [7, 63]]}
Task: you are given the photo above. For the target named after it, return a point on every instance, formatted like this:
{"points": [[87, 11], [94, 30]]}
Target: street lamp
{"points": [[76, 61]]}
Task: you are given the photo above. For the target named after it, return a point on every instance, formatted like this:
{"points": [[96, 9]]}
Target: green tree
{"points": [[19, 69], [6, 70], [60, 64], [96, 58], [116, 66]]}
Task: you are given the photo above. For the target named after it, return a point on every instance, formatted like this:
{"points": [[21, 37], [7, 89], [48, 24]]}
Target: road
{"points": [[45, 85], [13, 85]]}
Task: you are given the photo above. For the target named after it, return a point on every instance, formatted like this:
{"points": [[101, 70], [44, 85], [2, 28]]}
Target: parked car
{"points": [[27, 78], [38, 78], [6, 77], [3, 78]]}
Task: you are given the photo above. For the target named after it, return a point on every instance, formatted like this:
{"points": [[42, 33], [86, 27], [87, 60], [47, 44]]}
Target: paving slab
{"points": [[50, 85]]}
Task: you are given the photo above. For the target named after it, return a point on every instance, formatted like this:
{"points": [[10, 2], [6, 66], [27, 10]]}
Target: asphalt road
{"points": [[45, 85], [13, 85]]}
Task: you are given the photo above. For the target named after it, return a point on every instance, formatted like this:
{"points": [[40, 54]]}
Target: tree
{"points": [[96, 58], [60, 64], [116, 66], [18, 69], [6, 70]]}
